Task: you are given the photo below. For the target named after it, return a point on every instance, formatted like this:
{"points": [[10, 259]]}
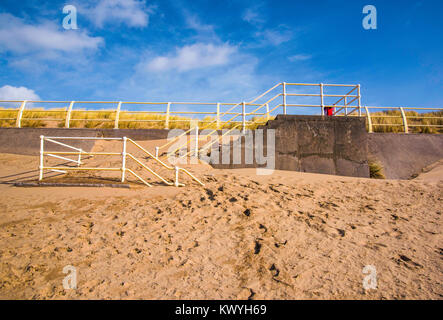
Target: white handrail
{"points": [[124, 154], [352, 96]]}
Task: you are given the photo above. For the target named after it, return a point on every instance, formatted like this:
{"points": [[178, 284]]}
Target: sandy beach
{"points": [[288, 235]]}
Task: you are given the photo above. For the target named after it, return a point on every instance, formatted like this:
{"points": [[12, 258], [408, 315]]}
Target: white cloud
{"points": [[253, 16], [214, 72], [231, 83], [275, 37], [133, 13], [194, 23], [300, 57], [196, 56], [17, 36], [17, 93], [203, 32], [266, 36], [208, 69]]}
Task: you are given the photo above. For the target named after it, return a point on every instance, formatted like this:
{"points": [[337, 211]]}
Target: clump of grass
{"points": [[376, 170]]}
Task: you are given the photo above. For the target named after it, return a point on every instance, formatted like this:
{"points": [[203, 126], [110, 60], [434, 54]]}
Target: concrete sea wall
{"points": [[329, 145]]}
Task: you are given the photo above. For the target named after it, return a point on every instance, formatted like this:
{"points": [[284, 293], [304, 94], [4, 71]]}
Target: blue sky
{"points": [[134, 50]]}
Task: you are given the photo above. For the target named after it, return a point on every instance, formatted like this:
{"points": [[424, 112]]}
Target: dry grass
{"points": [[391, 121], [376, 169], [106, 119], [91, 119], [385, 121]]}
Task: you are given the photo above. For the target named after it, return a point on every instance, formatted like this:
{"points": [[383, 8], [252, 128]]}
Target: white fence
{"points": [[283, 98], [123, 169]]}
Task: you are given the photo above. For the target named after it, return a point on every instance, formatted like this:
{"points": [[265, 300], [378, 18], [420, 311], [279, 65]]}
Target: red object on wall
{"points": [[329, 111]]}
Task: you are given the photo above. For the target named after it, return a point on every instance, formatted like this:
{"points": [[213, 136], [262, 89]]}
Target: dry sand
{"points": [[285, 236]]}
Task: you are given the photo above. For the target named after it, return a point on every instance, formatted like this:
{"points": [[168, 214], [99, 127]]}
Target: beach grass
{"points": [[392, 121], [376, 170], [384, 121]]}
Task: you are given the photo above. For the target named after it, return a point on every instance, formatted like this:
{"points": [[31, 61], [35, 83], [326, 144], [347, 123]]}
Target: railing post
{"points": [[284, 97], [124, 159], [167, 115], [243, 117], [267, 112], [218, 116], [405, 120], [359, 101], [346, 106], [18, 123], [40, 167], [117, 115], [176, 176], [370, 130], [156, 151], [196, 141], [322, 102], [68, 114], [79, 158]]}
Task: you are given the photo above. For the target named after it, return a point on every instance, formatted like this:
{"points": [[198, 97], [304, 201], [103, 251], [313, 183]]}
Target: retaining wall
{"points": [[317, 144], [331, 145], [402, 155]]}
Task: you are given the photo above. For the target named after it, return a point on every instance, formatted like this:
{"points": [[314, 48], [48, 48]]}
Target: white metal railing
{"points": [[342, 99], [79, 150], [66, 113], [403, 117], [274, 93], [124, 156]]}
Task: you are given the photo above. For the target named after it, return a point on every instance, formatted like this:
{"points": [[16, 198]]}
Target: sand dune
{"points": [[285, 236]]}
